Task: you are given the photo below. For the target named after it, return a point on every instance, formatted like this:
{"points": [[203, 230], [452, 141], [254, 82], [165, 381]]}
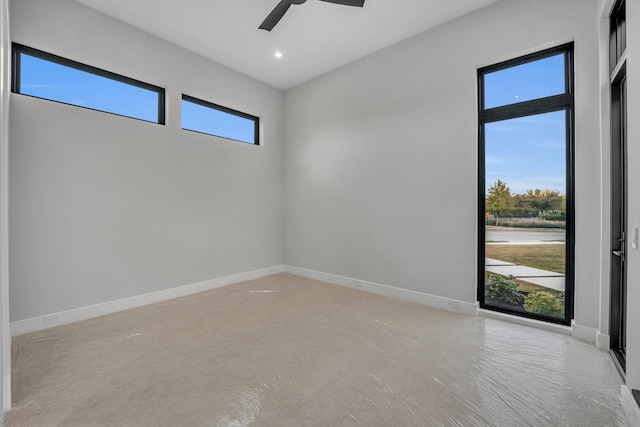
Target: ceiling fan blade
{"points": [[275, 16], [358, 3]]}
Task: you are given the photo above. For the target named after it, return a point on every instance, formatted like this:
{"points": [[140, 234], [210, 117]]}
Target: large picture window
{"points": [[47, 76], [526, 186]]}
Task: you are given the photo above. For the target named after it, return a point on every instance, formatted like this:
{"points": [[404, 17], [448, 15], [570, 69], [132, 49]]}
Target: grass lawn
{"points": [[545, 257]]}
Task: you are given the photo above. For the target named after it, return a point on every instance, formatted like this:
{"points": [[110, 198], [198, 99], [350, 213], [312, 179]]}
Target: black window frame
{"points": [[554, 103], [227, 110], [18, 49], [617, 34]]}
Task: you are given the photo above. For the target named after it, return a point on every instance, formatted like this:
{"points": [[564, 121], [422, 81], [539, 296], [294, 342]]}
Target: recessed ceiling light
{"points": [[278, 54]]}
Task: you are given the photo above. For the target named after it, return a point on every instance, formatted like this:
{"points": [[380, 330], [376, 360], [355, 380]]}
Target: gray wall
{"points": [[379, 165], [104, 207], [381, 154]]}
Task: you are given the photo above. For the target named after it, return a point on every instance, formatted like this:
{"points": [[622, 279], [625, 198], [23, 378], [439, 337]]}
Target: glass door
{"points": [[618, 68], [619, 225]]}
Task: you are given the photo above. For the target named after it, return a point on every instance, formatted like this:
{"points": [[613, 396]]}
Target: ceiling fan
{"points": [[281, 8]]}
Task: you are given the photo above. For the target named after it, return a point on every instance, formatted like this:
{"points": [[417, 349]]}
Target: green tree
{"points": [[499, 201], [523, 205], [543, 200]]}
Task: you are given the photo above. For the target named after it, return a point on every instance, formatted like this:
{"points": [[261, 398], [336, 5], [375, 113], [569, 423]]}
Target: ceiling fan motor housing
{"points": [[281, 8]]}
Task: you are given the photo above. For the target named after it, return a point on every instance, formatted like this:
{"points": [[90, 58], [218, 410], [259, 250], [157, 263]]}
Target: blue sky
{"points": [[527, 152], [203, 119], [49, 80], [53, 81], [538, 79]]}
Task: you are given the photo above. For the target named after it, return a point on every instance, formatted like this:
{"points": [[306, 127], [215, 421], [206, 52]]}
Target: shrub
{"points": [[533, 223], [543, 302], [553, 216], [500, 288]]}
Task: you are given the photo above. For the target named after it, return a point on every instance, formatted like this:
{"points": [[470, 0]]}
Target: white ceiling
{"points": [[315, 37]]}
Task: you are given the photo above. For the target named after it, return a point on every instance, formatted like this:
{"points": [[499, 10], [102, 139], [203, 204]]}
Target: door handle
{"points": [[618, 253]]}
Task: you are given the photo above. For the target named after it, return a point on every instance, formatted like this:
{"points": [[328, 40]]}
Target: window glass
{"points": [[538, 79], [525, 186], [205, 117], [618, 35], [525, 205], [57, 79], [527, 152]]}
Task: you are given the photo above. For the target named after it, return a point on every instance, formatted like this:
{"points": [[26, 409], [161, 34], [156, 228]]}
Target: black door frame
{"points": [[619, 227]]}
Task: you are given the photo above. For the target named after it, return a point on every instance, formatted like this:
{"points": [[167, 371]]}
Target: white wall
{"points": [[381, 154], [633, 152], [104, 207]]}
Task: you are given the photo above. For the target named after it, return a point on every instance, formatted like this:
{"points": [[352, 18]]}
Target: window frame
{"points": [[554, 103], [223, 109], [617, 35], [18, 49]]}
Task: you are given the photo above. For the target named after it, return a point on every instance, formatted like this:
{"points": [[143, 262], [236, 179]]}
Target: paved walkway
{"points": [[524, 236], [548, 279]]}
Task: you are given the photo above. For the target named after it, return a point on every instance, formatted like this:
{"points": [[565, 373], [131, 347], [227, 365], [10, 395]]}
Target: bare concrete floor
{"points": [[290, 351]]}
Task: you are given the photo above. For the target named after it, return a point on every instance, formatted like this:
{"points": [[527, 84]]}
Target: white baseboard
{"points": [[388, 291], [581, 332], [560, 329], [630, 405], [584, 333], [34, 324], [603, 342]]}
